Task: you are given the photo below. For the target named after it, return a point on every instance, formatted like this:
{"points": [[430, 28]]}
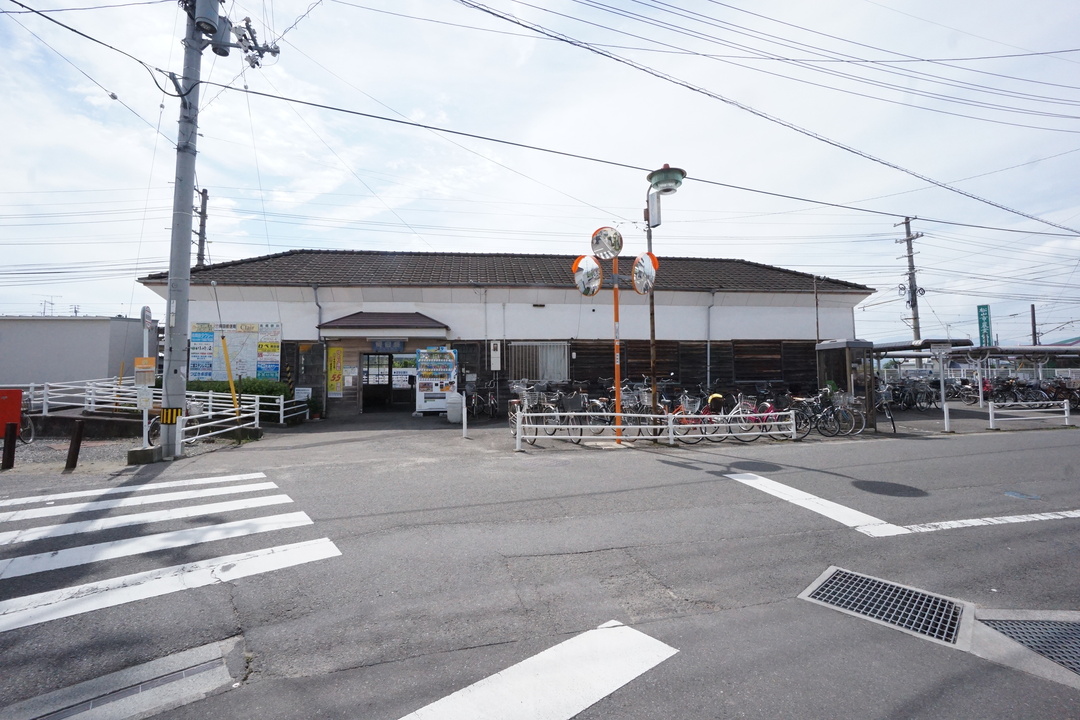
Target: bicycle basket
{"points": [[574, 403], [531, 398], [692, 405]]}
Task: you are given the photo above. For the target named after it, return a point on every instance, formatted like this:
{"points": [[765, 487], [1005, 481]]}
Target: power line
{"points": [[758, 113]]}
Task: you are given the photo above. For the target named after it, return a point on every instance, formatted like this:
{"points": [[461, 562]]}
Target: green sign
{"points": [[986, 335]]}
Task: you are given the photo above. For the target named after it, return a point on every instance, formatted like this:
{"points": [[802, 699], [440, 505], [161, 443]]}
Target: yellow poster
{"points": [[335, 381]]}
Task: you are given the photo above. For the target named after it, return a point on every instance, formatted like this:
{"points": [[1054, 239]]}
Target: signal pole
{"points": [[913, 290], [204, 28]]}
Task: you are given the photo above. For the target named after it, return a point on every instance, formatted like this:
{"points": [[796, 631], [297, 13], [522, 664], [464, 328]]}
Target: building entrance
{"points": [[384, 388]]}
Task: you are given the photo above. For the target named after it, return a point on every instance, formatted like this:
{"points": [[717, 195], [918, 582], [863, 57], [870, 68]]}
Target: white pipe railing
{"points": [[646, 426], [1028, 411]]}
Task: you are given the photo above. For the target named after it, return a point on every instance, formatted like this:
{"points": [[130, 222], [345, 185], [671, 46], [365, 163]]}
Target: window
{"points": [[539, 360]]}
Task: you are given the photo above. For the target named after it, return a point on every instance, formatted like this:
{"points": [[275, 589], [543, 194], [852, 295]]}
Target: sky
{"points": [[808, 131]]}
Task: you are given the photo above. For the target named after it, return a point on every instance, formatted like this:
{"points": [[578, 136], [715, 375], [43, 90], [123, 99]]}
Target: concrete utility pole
{"points": [[204, 27], [913, 290]]}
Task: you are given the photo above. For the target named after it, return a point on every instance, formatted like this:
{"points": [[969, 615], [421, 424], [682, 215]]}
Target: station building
{"points": [[718, 322]]}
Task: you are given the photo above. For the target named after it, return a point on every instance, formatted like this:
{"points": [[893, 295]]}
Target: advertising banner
{"points": [[335, 372], [254, 350]]}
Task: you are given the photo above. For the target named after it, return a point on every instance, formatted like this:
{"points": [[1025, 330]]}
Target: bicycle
{"points": [[26, 426], [522, 406], [883, 403], [192, 409], [562, 410], [482, 403]]}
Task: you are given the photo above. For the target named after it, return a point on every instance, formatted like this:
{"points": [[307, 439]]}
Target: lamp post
{"points": [[665, 181]]}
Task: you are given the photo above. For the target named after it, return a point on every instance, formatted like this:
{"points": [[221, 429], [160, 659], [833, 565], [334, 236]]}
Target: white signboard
{"points": [[254, 350]]}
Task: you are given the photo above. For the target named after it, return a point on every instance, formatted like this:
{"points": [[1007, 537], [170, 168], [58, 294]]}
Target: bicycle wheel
{"points": [[573, 429], [153, 431], [714, 427], [887, 410], [860, 421], [598, 417], [827, 424], [845, 420], [687, 430], [26, 429], [531, 427], [924, 400], [744, 423], [804, 422], [512, 410], [552, 419], [774, 423]]}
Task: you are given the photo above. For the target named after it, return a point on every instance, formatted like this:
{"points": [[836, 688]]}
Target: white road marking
{"points": [[866, 524], [34, 609], [108, 523], [1004, 520], [52, 510], [870, 525], [83, 554], [558, 683], [129, 489]]}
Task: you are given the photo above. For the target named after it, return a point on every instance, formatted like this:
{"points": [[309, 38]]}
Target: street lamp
{"points": [[664, 181]]}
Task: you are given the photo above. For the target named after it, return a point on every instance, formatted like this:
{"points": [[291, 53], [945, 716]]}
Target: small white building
{"points": [[40, 349], [722, 322]]}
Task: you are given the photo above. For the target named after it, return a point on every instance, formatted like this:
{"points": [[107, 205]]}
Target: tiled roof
{"points": [[383, 320], [350, 268]]}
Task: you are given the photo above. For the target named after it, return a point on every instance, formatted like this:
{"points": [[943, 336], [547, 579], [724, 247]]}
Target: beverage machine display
{"points": [[436, 377]]}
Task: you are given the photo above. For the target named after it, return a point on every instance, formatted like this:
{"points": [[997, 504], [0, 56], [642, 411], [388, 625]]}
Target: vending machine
{"points": [[436, 377]]}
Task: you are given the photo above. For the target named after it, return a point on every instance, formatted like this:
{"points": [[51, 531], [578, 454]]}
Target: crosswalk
{"points": [[43, 534]]}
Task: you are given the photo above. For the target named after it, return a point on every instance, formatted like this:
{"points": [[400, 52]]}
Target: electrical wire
{"points": [[758, 113]]}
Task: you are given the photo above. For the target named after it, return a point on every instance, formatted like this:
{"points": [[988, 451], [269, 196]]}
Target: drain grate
{"points": [[913, 610], [1056, 640]]}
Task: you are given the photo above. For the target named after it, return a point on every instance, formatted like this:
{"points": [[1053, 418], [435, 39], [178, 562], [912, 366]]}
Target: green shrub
{"points": [[244, 386]]}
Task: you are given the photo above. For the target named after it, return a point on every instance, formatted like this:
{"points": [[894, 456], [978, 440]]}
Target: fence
{"points": [[1028, 411], [668, 427], [120, 395]]}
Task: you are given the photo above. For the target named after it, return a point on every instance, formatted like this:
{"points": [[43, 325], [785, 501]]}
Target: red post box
{"points": [[10, 407]]}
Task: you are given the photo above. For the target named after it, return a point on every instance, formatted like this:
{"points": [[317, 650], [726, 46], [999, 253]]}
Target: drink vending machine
{"points": [[436, 377]]}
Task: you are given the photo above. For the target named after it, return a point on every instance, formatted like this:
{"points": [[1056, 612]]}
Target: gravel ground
{"points": [[49, 455]]}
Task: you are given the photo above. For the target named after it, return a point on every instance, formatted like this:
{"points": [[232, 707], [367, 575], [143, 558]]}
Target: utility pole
{"points": [[913, 290], [200, 256], [1034, 331], [204, 27]]}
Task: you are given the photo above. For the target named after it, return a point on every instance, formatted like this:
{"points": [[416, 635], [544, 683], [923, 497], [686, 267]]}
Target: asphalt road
{"points": [[460, 559]]}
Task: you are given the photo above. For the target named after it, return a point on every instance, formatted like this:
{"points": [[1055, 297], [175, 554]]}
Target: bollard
{"points": [[11, 430], [76, 443]]}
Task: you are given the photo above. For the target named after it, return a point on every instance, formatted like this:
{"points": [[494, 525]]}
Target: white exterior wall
{"points": [[62, 349], [541, 313]]}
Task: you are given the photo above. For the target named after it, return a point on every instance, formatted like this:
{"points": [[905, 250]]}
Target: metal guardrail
{"points": [[1053, 410], [645, 426]]}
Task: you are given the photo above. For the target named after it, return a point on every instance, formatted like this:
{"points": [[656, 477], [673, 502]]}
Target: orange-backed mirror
{"points": [[644, 274], [588, 275]]}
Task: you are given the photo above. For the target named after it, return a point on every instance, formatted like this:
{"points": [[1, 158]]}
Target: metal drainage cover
{"points": [[912, 610], [1055, 640]]}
